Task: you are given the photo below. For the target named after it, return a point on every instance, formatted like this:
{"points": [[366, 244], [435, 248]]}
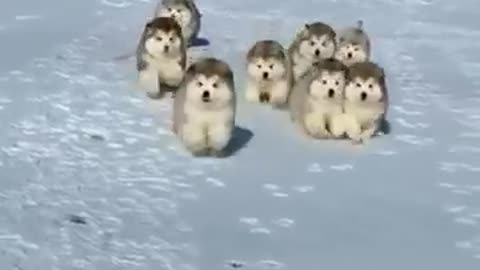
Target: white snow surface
{"points": [[92, 178]]}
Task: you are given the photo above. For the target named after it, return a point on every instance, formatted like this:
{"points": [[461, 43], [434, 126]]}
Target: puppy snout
{"points": [[265, 75], [331, 93], [206, 95], [317, 52], [363, 96], [166, 48], [349, 55]]}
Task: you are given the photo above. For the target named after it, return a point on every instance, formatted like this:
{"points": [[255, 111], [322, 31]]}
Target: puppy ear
{"points": [[149, 27], [382, 78], [303, 32]]}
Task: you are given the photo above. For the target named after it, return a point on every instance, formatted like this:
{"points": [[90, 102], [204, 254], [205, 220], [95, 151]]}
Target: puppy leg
{"points": [[368, 131], [316, 126], [218, 138], [251, 93], [280, 93], [337, 125], [195, 139], [353, 129], [148, 80]]}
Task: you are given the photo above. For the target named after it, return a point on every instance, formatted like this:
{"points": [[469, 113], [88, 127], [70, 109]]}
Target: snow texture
{"points": [[92, 178]]}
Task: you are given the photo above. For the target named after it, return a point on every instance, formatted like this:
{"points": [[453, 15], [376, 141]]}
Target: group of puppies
{"points": [[325, 79]]}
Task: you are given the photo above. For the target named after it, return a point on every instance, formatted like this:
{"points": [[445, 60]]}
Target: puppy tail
{"points": [[360, 24], [385, 127]]}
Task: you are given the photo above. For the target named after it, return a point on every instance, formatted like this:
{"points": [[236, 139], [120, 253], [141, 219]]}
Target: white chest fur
{"points": [[324, 107], [364, 113], [168, 69], [300, 65], [207, 118]]}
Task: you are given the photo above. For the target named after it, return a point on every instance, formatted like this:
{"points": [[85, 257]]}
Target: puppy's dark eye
{"points": [[259, 66], [271, 66], [214, 85], [171, 39], [370, 86], [200, 84], [359, 85], [324, 81], [159, 38], [324, 44], [312, 43], [356, 49], [337, 83], [179, 10]]}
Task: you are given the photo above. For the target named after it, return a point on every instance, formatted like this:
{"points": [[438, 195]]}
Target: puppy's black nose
{"points": [[331, 92], [205, 95], [265, 75], [317, 52], [349, 55], [166, 48], [363, 96]]}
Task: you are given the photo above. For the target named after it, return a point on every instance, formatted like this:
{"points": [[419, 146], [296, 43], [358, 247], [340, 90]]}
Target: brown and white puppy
{"points": [[366, 102], [317, 98], [353, 45], [314, 42], [269, 74], [204, 108], [161, 56], [185, 12]]}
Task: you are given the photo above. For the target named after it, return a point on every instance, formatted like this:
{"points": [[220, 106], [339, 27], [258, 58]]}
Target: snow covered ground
{"points": [[91, 178]]}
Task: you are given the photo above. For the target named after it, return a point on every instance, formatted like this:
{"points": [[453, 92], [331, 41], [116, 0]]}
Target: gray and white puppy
{"points": [[366, 102], [353, 45], [317, 98], [204, 108], [185, 12], [269, 73], [161, 57], [314, 42]]}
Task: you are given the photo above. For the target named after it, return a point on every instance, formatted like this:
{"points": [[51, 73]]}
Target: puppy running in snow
{"points": [[314, 42], [161, 57], [204, 108], [317, 98], [366, 103], [269, 73], [353, 45], [186, 13]]}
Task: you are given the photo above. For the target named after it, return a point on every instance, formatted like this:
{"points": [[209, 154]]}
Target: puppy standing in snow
{"points": [[185, 12], [366, 103], [161, 57], [353, 45], [317, 98], [204, 108], [269, 73], [314, 42]]}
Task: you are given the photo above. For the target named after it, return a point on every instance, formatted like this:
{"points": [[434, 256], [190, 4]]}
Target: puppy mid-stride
{"points": [[317, 98], [269, 73], [312, 43], [204, 108], [366, 103], [353, 45], [161, 57], [185, 12]]}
